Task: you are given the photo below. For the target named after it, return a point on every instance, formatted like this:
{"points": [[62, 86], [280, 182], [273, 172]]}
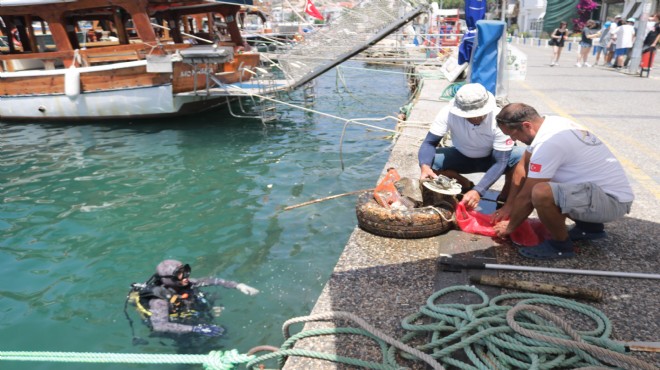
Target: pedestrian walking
{"points": [[557, 39]]}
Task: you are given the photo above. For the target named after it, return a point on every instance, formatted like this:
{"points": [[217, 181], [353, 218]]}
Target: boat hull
{"points": [[109, 92]]}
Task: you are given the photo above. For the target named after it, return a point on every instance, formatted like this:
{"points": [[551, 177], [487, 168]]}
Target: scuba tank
{"points": [[189, 307]]}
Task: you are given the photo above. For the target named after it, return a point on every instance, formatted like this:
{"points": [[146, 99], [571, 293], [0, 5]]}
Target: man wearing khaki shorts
{"points": [[566, 172]]}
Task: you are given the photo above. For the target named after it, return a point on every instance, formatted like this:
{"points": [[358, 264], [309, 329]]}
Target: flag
{"points": [[311, 10], [535, 167]]}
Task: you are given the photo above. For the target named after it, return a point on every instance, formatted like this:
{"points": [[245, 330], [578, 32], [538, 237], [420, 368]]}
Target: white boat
{"points": [[145, 58]]}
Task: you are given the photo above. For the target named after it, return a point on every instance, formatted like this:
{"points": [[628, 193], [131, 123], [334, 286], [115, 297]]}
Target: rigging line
{"points": [[272, 40], [183, 33], [355, 121], [377, 70]]}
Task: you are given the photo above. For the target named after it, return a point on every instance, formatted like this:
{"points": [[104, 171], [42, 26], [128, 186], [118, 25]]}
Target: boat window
{"points": [[100, 27]]}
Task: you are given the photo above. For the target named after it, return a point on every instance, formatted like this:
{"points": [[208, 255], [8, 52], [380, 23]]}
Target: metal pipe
{"points": [[342, 58], [573, 271], [450, 264]]}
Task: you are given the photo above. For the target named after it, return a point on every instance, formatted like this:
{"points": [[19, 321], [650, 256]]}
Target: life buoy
{"points": [[409, 224]]}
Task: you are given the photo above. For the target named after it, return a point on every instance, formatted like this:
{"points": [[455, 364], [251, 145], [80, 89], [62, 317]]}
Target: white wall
{"points": [[530, 10]]}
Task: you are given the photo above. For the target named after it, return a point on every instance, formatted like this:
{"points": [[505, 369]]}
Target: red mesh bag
{"points": [[529, 233], [473, 222]]}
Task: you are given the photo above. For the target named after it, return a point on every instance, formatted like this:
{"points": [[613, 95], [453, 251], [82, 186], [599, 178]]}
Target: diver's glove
{"points": [[246, 289], [208, 330]]}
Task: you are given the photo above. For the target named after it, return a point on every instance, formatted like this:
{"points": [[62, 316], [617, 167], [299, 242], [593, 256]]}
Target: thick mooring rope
{"points": [[382, 339], [492, 335], [483, 336], [215, 360]]}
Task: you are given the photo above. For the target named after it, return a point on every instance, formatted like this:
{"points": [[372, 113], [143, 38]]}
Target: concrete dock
{"points": [[382, 280]]}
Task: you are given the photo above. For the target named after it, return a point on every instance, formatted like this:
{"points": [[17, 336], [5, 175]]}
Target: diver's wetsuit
{"points": [[160, 307]]}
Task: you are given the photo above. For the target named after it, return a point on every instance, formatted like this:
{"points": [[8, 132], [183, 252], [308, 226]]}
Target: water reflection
{"points": [[88, 209]]}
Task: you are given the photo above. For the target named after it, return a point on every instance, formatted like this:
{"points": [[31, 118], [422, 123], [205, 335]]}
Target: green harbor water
{"points": [[86, 210]]}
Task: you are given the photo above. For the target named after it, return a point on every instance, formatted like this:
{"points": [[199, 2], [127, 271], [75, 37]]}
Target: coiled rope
{"points": [[215, 360], [489, 334], [450, 91], [366, 330], [497, 336]]}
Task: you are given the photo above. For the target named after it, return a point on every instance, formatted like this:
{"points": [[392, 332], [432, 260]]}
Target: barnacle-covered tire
{"points": [[410, 224]]}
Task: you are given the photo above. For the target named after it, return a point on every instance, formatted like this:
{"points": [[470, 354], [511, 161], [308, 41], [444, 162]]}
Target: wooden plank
{"points": [[122, 78], [32, 85], [93, 81]]}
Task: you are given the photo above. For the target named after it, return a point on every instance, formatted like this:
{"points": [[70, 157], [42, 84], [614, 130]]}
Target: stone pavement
{"points": [[382, 280]]}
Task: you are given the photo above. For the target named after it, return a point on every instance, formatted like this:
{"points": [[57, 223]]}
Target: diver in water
{"points": [[170, 301]]}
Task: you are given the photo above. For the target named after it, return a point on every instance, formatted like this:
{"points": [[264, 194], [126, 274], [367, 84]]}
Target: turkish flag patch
{"points": [[509, 142], [535, 167]]}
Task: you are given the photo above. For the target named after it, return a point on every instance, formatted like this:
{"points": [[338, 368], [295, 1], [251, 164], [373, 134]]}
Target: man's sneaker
{"points": [[578, 65], [587, 64], [576, 234]]}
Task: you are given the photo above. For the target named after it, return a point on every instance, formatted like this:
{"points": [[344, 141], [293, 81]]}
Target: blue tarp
{"points": [[465, 48], [475, 10], [484, 61]]}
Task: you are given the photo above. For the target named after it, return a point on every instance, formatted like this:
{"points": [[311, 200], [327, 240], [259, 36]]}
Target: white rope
{"points": [[354, 120]]}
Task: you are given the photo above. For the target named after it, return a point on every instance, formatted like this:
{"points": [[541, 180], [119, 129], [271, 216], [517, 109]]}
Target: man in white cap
{"points": [[478, 144]]}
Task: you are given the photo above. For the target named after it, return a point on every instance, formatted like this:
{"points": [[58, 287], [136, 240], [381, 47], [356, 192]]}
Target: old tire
{"points": [[412, 224]]}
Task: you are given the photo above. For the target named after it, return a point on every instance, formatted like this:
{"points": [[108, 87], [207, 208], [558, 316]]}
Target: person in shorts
{"points": [[625, 36], [478, 144], [566, 172]]}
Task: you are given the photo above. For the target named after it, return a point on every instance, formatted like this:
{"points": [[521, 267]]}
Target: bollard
{"points": [[569, 46], [539, 43]]}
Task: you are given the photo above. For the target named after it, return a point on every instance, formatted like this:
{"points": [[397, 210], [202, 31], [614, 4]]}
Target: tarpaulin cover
{"points": [[465, 48], [484, 61], [557, 11], [475, 10]]}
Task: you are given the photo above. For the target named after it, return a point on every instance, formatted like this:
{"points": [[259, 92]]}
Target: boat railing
{"points": [[87, 57], [49, 60]]}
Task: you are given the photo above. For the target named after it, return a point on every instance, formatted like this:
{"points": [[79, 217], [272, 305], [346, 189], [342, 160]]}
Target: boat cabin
{"points": [[59, 27], [91, 59]]}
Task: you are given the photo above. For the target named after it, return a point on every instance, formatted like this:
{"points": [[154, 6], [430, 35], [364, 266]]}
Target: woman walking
{"points": [[589, 32], [557, 38]]}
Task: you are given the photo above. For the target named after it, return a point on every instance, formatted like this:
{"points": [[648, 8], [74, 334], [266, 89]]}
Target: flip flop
{"points": [[545, 251]]}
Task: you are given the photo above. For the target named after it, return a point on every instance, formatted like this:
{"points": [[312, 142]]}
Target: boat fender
{"points": [[72, 82]]}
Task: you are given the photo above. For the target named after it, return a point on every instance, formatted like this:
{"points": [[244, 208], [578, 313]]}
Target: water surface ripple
{"points": [[85, 210]]}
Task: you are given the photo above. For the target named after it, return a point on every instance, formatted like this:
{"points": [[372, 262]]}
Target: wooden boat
{"points": [[98, 59]]}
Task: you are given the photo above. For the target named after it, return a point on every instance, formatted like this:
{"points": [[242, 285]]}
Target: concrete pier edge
{"points": [[382, 280]]}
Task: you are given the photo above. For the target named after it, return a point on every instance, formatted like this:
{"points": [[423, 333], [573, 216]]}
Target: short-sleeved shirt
{"points": [[586, 31], [473, 141], [624, 36], [566, 152]]}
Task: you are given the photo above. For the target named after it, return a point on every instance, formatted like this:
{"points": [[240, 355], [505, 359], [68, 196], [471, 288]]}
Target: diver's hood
{"points": [[166, 269]]}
